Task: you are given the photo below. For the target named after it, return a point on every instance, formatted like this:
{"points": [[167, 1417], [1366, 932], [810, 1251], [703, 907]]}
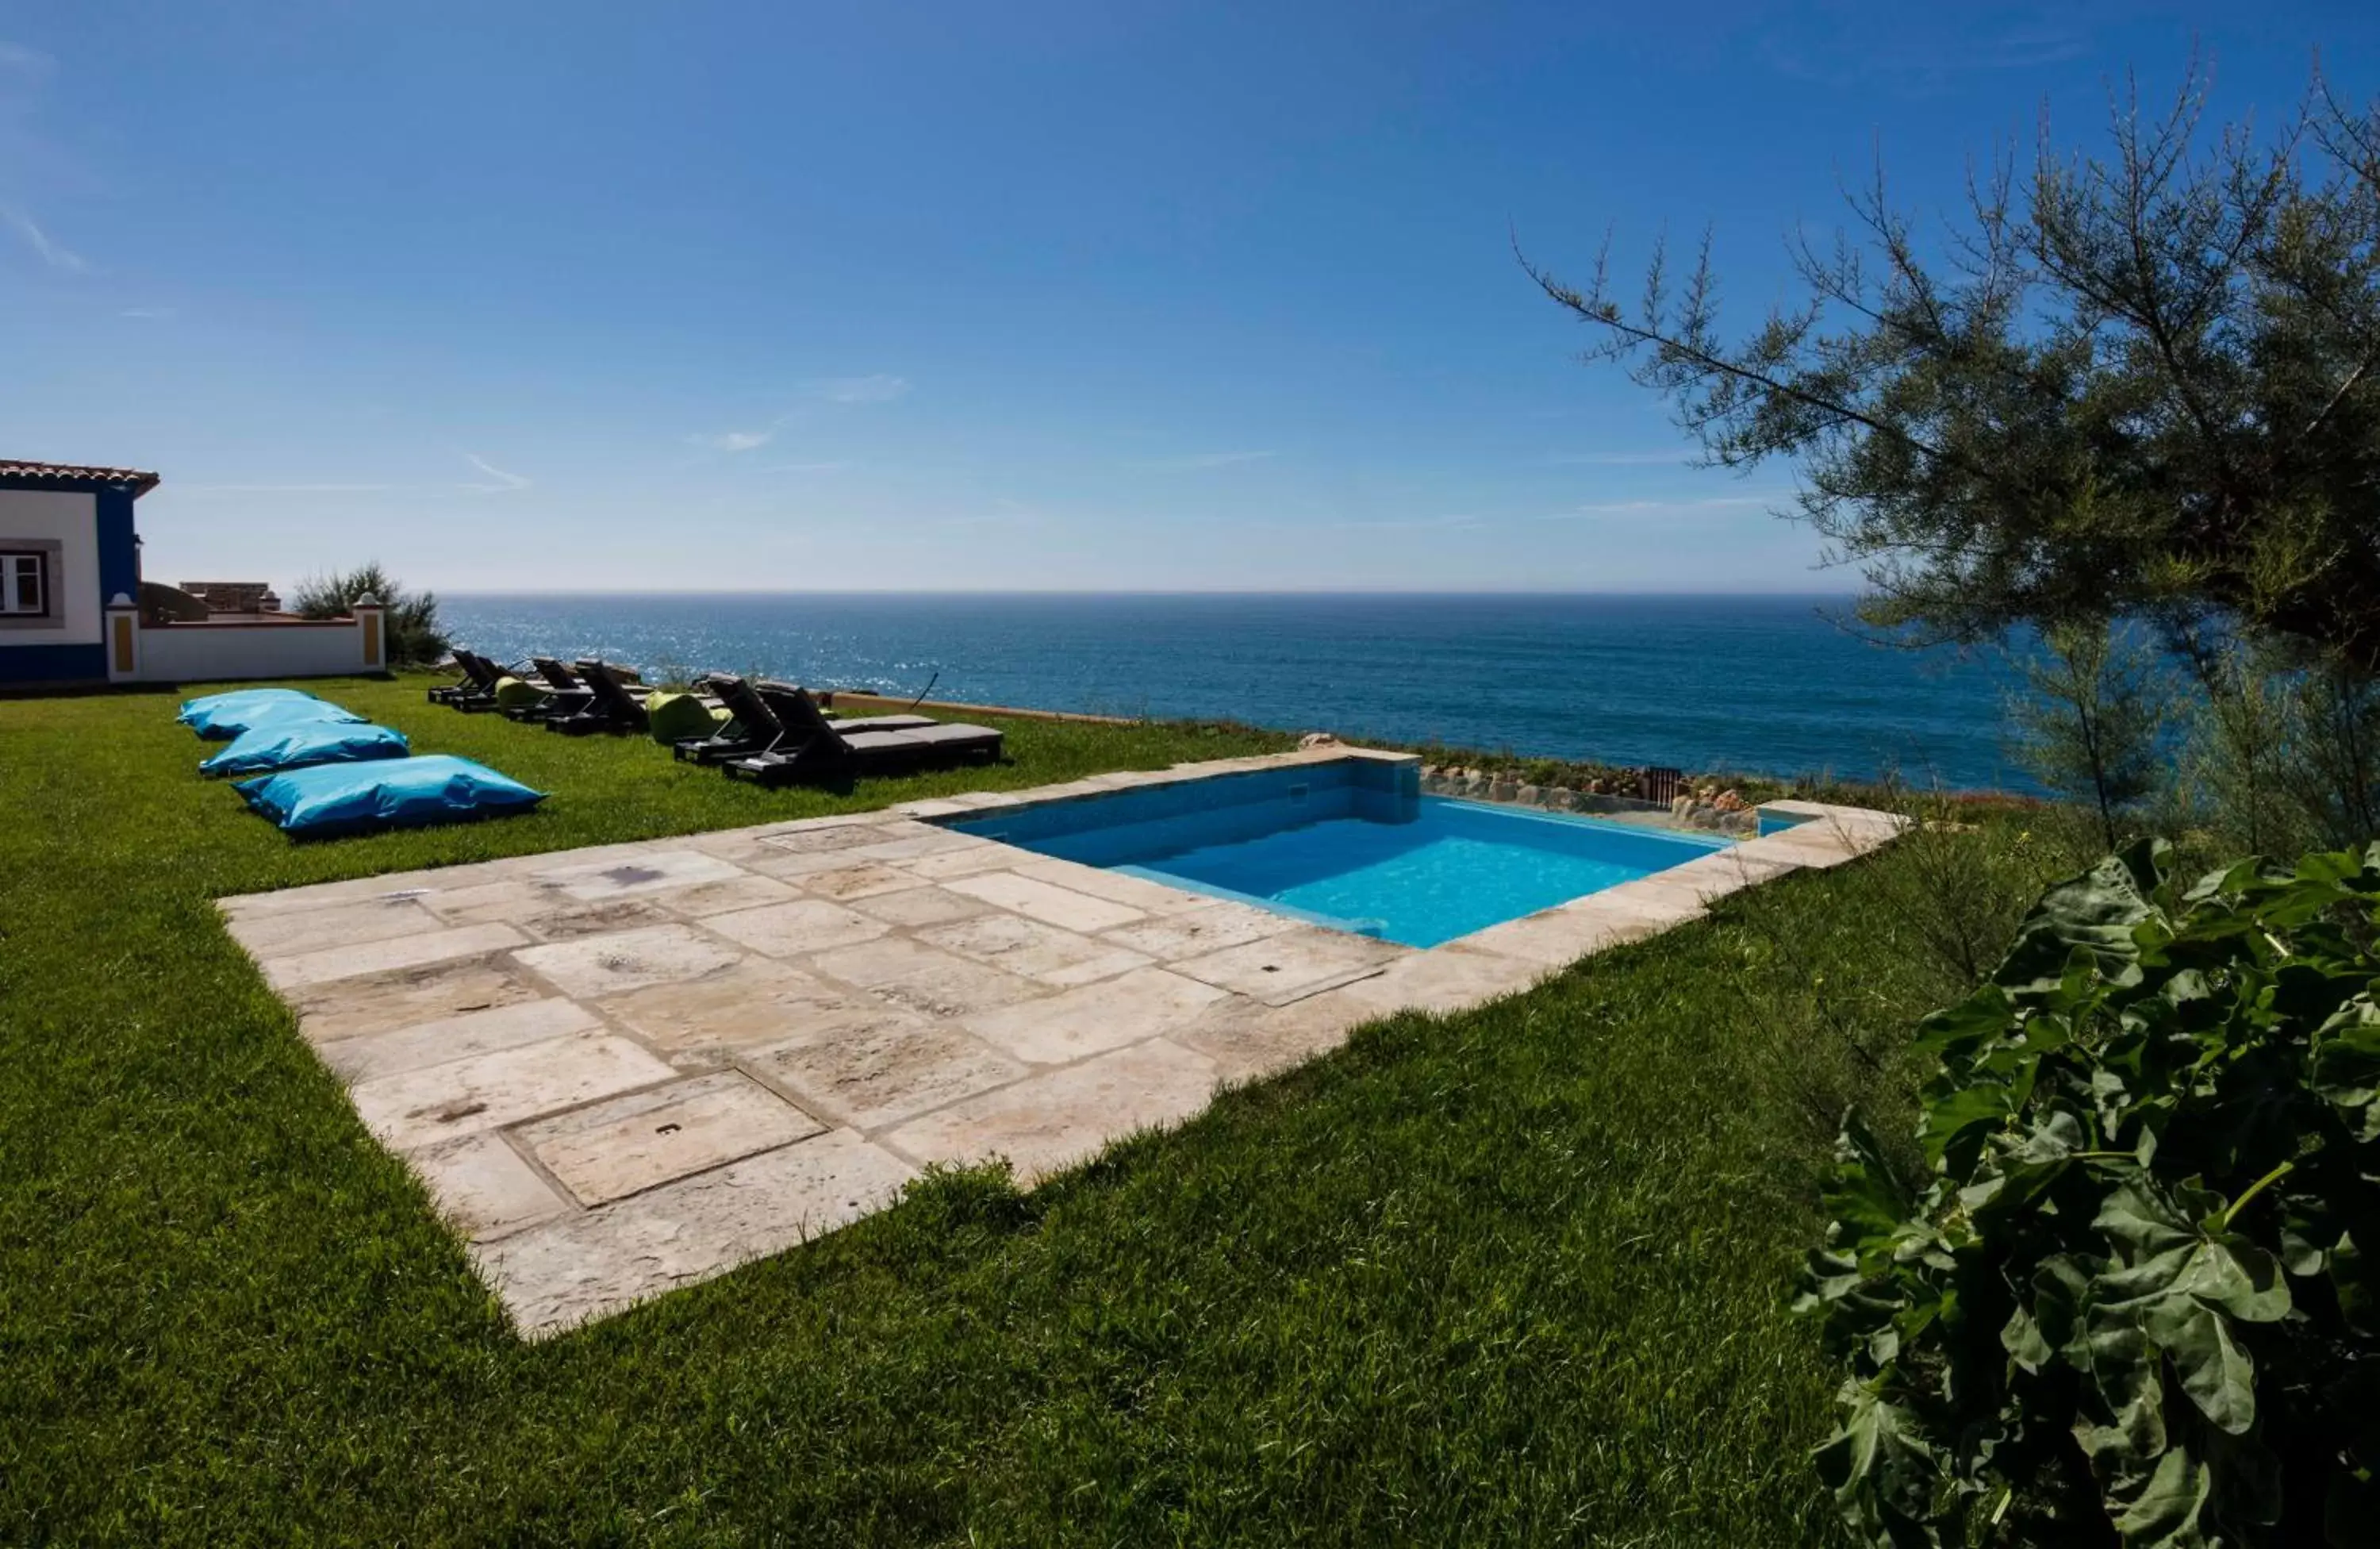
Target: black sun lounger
{"points": [[815, 749], [481, 693], [565, 694], [469, 686], [752, 730], [758, 728], [611, 707], [793, 705]]}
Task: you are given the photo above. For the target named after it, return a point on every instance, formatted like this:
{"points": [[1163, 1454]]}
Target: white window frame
{"points": [[47, 553], [14, 563]]}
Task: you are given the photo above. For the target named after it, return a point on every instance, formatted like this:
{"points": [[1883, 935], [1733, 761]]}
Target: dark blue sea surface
{"points": [[1767, 684]]}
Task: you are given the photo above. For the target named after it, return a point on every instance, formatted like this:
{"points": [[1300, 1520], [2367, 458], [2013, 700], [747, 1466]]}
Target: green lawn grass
{"points": [[1516, 1275]]}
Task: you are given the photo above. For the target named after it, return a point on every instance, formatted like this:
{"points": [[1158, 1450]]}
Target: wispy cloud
{"points": [[1197, 460], [501, 481], [882, 387], [152, 312], [1917, 51], [733, 441], [50, 251], [26, 63]]}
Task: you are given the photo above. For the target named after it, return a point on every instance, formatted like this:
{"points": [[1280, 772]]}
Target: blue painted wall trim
{"points": [[54, 663], [119, 563]]}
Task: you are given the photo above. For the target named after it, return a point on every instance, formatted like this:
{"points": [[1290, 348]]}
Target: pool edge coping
{"points": [[1821, 834]]}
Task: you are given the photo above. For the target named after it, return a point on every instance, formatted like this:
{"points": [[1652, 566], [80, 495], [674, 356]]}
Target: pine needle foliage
{"points": [[414, 637]]}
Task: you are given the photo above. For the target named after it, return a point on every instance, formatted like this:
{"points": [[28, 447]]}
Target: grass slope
{"points": [[1516, 1275]]}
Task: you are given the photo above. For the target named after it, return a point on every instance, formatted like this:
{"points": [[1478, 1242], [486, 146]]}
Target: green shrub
{"points": [[2135, 1301], [414, 638]]}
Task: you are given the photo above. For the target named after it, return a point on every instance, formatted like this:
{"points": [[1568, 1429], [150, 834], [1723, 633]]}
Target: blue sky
{"points": [[708, 296]]}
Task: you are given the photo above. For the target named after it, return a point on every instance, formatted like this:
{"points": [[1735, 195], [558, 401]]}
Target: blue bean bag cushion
{"points": [[356, 797], [284, 744], [196, 711], [230, 720]]}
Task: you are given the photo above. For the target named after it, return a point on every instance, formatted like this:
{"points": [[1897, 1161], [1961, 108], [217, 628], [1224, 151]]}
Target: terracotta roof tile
{"points": [[142, 482]]}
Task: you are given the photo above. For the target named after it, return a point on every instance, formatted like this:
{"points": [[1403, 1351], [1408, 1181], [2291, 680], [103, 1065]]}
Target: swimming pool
{"points": [[1350, 844]]}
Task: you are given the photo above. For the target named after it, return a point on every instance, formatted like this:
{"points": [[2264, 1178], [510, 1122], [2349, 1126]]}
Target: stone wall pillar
{"points": [[123, 640], [371, 621]]}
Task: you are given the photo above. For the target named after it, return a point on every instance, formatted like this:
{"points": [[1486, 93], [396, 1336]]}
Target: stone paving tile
{"points": [[1296, 963], [1559, 937], [555, 1276], [897, 1066], [322, 894], [627, 1144], [951, 864], [847, 882], [886, 817], [1033, 949], [1248, 1042], [1644, 900], [594, 919], [1117, 887], [415, 1108], [791, 866], [1817, 851], [738, 847], [281, 935], [912, 847], [1194, 932], [401, 997], [502, 901], [633, 873], [1718, 874], [1061, 907], [473, 1032], [382, 957], [962, 804], [823, 839], [920, 904], [1049, 1121], [1448, 979], [593, 967], [1095, 1017], [743, 891], [921, 979], [650, 872], [936, 809], [760, 1000], [792, 929], [482, 1188]]}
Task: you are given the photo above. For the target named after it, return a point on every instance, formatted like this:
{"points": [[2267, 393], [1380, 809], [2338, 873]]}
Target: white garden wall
{"points": [[212, 651]]}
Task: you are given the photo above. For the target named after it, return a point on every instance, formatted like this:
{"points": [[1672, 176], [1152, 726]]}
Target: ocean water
{"points": [[1765, 684]]}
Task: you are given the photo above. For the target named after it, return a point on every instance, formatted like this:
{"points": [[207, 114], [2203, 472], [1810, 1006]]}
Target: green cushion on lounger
{"points": [[674, 717], [513, 694]]}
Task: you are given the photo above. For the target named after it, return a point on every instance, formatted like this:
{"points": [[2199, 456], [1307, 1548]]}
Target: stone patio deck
{"points": [[627, 1069]]}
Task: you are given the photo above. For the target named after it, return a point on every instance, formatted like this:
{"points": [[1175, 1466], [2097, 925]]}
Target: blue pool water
{"points": [[1350, 845]]}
